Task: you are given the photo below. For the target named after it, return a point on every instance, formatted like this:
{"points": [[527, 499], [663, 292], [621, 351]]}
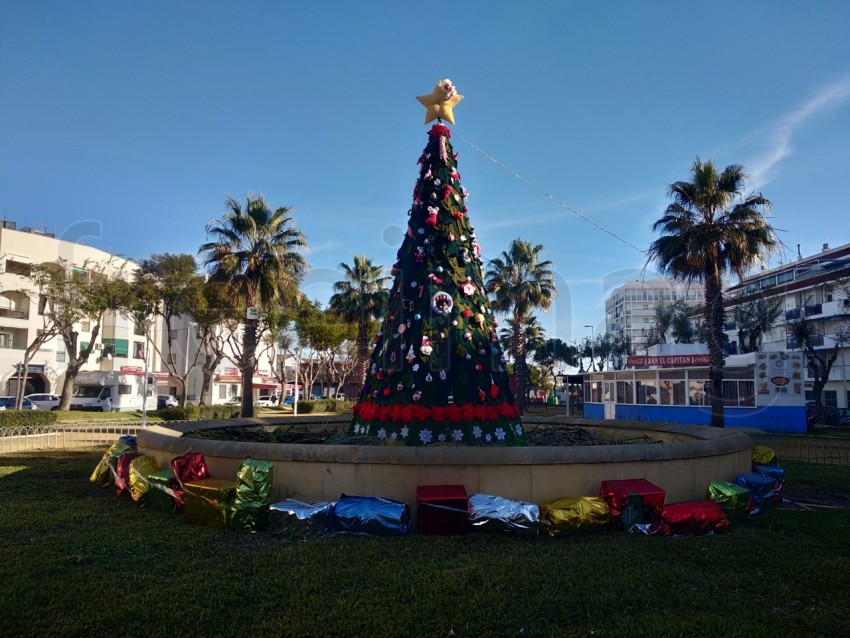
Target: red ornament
{"points": [[386, 392], [494, 390], [481, 395], [478, 367]]}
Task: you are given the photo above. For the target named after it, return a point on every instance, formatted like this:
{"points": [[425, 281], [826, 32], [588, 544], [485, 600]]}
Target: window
{"points": [[830, 399], [625, 392], [118, 348], [125, 389], [138, 350], [647, 392], [42, 304], [698, 390], [222, 392], [138, 329], [85, 325], [18, 268], [60, 357]]}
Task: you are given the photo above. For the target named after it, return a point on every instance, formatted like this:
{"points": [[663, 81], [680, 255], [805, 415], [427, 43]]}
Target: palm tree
{"points": [[709, 229], [256, 255], [360, 298], [755, 319], [519, 283]]}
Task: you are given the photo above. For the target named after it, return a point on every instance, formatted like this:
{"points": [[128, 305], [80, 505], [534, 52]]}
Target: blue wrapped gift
{"points": [[762, 489], [297, 519], [777, 474], [371, 516]]}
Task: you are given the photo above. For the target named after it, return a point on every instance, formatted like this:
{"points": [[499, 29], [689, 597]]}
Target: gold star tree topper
{"points": [[440, 102]]}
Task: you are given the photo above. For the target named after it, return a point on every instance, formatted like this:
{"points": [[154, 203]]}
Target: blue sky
{"points": [[126, 125]]}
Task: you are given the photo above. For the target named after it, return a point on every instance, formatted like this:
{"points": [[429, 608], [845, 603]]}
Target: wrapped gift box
{"points": [[208, 502], [501, 515], [442, 509], [762, 489], [763, 455], [295, 519], [190, 466], [778, 475], [632, 501], [162, 487], [734, 499], [691, 518], [253, 491], [104, 473], [573, 514], [141, 468], [122, 473], [371, 516]]}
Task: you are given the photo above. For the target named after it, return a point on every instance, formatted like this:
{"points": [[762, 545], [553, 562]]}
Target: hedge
{"points": [[323, 405], [192, 412], [24, 418]]}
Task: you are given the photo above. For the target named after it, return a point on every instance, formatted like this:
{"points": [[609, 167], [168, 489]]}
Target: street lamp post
{"points": [[592, 352], [147, 322]]}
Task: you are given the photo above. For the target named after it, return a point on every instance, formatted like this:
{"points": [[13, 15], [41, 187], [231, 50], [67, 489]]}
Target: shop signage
{"points": [[679, 360]]}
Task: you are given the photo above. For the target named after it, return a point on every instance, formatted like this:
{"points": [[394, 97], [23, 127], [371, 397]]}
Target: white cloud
{"points": [[764, 168]]}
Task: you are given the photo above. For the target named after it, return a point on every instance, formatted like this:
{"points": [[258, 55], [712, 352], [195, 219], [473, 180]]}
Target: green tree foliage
{"points": [[69, 294], [709, 229], [808, 337], [360, 298], [552, 355], [255, 253], [520, 282], [170, 286], [755, 318]]}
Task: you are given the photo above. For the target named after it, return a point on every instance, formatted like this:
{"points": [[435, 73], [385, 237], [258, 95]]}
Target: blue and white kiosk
{"points": [[763, 390]]}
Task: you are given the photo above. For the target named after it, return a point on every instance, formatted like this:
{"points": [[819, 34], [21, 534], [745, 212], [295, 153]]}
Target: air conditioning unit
{"points": [[98, 346]]}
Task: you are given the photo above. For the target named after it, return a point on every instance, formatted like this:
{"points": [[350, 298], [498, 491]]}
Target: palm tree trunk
{"points": [[520, 365], [249, 345], [714, 323], [362, 352]]}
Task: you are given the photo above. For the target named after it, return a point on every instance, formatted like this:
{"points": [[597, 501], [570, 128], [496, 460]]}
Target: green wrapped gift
{"points": [[161, 486], [253, 492], [734, 499], [209, 501]]}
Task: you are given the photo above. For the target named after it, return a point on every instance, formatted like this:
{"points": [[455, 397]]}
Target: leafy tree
{"points": [[519, 283], [552, 355], [69, 295], [172, 288], [709, 229], [360, 298], [256, 255], [755, 319], [808, 337], [217, 322]]}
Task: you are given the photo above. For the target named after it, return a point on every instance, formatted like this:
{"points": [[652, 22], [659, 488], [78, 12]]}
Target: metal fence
{"points": [[820, 449], [58, 437]]}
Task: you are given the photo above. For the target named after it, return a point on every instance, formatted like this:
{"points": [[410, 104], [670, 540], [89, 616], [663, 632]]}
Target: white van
{"points": [[111, 392]]}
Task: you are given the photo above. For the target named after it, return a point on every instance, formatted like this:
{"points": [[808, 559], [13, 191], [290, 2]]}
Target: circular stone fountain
{"points": [[681, 459]]}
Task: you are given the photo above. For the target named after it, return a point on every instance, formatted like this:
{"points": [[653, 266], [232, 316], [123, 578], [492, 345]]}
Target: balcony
{"points": [[814, 309], [791, 344], [792, 315], [13, 314], [10, 346]]}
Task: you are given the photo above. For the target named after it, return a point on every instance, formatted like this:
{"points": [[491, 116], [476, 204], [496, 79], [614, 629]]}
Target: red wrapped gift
{"points": [[623, 494], [691, 518], [188, 467], [442, 509], [122, 474]]}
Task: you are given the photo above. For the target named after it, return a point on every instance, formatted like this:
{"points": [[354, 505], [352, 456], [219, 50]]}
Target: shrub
{"points": [[323, 405], [24, 418], [213, 412], [187, 412], [306, 407]]}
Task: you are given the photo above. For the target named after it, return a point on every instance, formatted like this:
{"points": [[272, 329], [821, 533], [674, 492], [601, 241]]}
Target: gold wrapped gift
{"points": [[141, 468], [102, 476], [209, 501], [763, 455], [573, 514]]}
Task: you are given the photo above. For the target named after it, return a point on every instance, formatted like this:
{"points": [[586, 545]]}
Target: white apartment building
{"points": [[120, 345], [630, 309], [806, 287]]}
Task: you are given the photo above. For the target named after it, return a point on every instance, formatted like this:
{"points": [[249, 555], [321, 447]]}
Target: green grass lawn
{"points": [[75, 561], [80, 416]]}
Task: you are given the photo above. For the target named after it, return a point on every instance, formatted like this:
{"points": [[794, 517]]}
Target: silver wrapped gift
{"points": [[496, 514], [297, 519]]}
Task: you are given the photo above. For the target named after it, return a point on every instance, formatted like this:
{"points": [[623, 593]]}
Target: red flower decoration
{"points": [[438, 129]]}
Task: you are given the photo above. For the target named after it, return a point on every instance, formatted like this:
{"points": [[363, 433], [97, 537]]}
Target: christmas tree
{"points": [[437, 372]]}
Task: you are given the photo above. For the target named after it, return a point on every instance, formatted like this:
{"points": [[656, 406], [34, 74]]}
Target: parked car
{"points": [[266, 402], [166, 401], [234, 401], [192, 399], [44, 401], [8, 403]]}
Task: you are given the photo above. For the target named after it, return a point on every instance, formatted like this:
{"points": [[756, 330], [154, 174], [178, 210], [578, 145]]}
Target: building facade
{"points": [[120, 344], [630, 309], [816, 287]]}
